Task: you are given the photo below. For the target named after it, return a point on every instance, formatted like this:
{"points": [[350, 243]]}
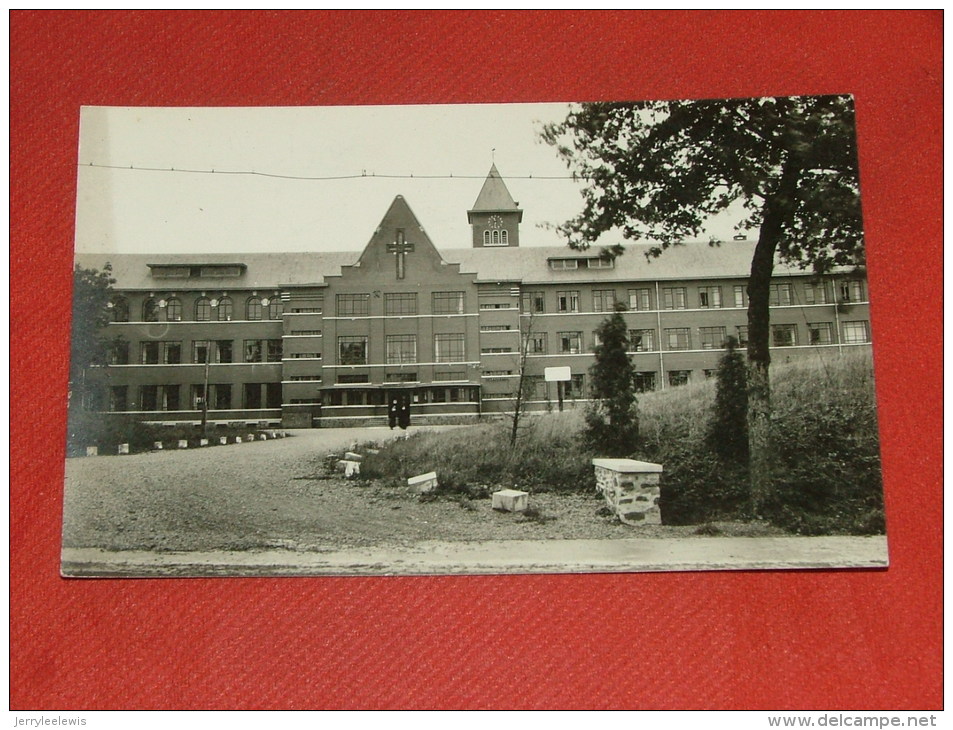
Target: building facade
{"points": [[334, 338]]}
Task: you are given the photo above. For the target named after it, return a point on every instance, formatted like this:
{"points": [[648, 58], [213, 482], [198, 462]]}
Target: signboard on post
{"points": [[558, 375]]}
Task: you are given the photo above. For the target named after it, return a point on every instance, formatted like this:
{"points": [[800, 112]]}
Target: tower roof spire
{"points": [[494, 196]]}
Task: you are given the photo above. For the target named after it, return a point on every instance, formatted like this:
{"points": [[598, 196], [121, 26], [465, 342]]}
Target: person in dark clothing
{"points": [[392, 413]]}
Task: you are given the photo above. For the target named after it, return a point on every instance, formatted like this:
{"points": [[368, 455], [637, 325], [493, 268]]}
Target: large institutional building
{"points": [[330, 338]]}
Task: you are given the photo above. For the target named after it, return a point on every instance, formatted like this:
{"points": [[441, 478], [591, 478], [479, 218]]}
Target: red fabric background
{"points": [[769, 640]]}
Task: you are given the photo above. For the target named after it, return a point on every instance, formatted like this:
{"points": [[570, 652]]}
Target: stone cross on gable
{"points": [[400, 248]]}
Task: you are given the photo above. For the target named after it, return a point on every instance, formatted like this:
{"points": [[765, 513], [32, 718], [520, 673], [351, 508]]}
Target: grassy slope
{"points": [[826, 433]]}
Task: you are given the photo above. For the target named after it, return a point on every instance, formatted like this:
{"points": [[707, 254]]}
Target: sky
{"points": [[172, 211]]}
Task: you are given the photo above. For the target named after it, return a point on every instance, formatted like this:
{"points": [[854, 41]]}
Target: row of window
{"points": [[170, 397], [401, 349], [709, 338], [169, 352], [454, 302], [400, 303], [205, 309], [496, 238], [708, 297], [365, 397]]}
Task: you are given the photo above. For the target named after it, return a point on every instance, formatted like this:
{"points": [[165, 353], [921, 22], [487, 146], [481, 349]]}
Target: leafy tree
{"points": [[659, 170], [728, 431], [612, 423], [92, 292]]}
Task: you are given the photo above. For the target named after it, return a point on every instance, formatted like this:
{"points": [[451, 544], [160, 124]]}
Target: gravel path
{"points": [[270, 494]]}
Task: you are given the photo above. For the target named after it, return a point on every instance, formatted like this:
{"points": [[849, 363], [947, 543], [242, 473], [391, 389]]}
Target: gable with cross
{"points": [[400, 248]]}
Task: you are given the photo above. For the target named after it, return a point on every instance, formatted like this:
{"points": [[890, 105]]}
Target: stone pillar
{"points": [[631, 489]]}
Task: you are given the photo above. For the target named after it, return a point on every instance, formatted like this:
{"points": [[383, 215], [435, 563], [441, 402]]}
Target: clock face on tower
{"points": [[495, 221]]}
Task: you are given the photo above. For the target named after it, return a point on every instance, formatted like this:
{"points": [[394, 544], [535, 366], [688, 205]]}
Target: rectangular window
{"points": [[401, 349], [223, 349], [310, 333], [742, 335], [856, 332], [171, 353], [567, 301], [169, 398], [710, 373], [536, 344], [640, 300], [533, 302], [641, 340], [783, 335], [570, 343], [199, 351], [400, 377], [150, 353], [306, 355], [149, 397], [712, 338], [497, 305], [851, 291], [273, 395], [674, 297], [352, 350], [448, 302], [491, 350], [600, 263], [118, 398], [449, 348], [252, 395], [563, 264], [306, 378], [709, 297], [118, 352], [449, 375], [780, 295], [603, 300], [351, 378], [352, 305], [574, 387], [741, 296], [816, 293], [253, 351], [274, 350], [400, 303], [644, 382], [495, 328], [820, 333], [221, 396], [679, 377], [678, 338]]}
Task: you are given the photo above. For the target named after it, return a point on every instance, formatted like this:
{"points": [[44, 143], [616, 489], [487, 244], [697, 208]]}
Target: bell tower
{"points": [[495, 216]]}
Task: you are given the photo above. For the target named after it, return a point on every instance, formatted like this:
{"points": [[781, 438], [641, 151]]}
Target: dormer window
{"points": [[563, 264]]}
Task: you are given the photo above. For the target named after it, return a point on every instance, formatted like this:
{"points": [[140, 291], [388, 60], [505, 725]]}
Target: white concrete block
{"points": [[238, 439], [263, 436], [157, 445], [203, 442], [183, 443], [424, 482], [223, 440], [510, 500], [92, 451], [123, 448], [350, 468], [251, 437]]}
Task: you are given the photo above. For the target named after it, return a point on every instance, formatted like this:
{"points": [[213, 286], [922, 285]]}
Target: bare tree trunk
{"points": [[524, 351], [760, 446]]}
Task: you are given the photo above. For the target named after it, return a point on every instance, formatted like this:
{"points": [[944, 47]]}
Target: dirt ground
{"points": [[274, 494]]}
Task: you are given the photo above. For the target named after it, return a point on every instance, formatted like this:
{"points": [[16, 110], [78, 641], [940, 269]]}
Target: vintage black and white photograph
{"points": [[449, 339]]}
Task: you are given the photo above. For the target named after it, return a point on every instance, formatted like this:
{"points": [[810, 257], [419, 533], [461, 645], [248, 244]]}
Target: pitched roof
{"points": [[692, 260], [730, 259], [494, 195], [264, 270]]}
